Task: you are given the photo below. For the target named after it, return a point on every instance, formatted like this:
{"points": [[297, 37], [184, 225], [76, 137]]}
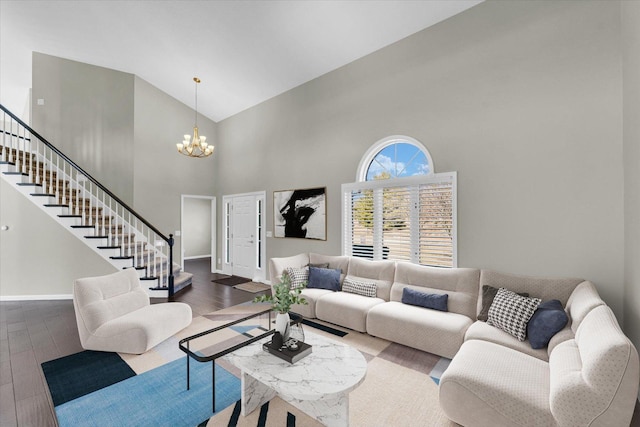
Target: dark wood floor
{"points": [[33, 332]]}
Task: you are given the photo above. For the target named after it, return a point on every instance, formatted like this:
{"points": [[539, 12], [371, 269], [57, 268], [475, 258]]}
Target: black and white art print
{"points": [[300, 213]]}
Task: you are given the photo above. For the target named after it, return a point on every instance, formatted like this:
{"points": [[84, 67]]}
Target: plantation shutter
{"points": [[407, 219]]}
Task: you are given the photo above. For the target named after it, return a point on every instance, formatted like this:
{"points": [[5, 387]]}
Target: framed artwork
{"points": [[300, 213]]}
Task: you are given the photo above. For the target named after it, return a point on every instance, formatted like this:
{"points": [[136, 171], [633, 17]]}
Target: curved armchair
{"points": [[114, 313]]}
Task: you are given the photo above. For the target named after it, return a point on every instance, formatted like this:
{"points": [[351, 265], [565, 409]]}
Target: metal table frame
{"points": [[212, 358]]}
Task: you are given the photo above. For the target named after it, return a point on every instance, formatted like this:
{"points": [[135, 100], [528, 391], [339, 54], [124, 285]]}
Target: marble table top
{"points": [[331, 370]]}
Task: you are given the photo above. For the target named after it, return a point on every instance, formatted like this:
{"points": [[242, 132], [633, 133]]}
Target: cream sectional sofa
{"points": [[587, 376]]}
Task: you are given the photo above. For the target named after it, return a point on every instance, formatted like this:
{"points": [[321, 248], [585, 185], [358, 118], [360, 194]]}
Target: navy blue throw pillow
{"points": [[423, 299], [324, 278], [548, 319]]}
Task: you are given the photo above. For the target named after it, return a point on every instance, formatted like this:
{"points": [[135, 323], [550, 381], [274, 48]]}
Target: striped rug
{"points": [[400, 389]]}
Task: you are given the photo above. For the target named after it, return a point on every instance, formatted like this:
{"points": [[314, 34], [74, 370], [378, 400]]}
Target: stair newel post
{"points": [[171, 289]]}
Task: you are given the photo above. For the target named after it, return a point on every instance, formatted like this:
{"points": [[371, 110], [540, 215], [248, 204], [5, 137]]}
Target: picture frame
{"points": [[300, 213]]}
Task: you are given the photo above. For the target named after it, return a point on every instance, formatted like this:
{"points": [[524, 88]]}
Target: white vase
{"points": [[282, 325]]}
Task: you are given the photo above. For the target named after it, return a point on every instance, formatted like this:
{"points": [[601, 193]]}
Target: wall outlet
{"points": [[40, 101]]}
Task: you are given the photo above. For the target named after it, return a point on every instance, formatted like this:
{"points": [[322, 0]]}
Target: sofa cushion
{"points": [[485, 332], [312, 296], [510, 312], [490, 385], [324, 278], [461, 284], [379, 272], [298, 276], [423, 299], [319, 265], [487, 297], [345, 309], [548, 319], [340, 262], [433, 331], [359, 287]]}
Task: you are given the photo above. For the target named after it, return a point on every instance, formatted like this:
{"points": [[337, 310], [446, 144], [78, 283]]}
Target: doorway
{"points": [[198, 228], [244, 235]]}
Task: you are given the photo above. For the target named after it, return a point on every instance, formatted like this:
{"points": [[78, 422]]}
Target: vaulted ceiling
{"points": [[245, 52]]}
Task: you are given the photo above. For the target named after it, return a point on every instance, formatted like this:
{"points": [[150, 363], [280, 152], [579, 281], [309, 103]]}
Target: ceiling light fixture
{"points": [[196, 147]]}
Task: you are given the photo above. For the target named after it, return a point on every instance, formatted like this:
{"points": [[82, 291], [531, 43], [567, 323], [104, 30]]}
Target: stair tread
{"points": [[121, 257], [42, 195], [15, 173]]}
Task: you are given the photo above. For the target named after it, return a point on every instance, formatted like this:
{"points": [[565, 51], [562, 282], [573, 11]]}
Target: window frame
{"points": [[380, 185], [414, 185], [383, 143]]}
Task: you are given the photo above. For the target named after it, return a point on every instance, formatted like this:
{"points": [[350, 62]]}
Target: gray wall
{"points": [[88, 115], [37, 256], [523, 99], [631, 96]]}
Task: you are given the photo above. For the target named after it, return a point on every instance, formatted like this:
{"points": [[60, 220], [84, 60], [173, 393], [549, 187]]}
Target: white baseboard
{"points": [[34, 297], [196, 257]]}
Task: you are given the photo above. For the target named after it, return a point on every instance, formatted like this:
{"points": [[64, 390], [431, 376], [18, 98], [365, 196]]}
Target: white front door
{"points": [[244, 236]]}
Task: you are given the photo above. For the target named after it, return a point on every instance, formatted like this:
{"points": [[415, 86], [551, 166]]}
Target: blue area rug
{"points": [[157, 397]]}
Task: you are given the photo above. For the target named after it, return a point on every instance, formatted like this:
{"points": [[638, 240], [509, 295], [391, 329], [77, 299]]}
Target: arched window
{"points": [[399, 208], [395, 157]]}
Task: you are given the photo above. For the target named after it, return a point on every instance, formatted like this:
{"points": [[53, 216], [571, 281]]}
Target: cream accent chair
{"points": [[114, 313]]}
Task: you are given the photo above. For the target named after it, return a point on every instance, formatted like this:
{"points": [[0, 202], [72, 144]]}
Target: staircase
{"points": [[86, 208]]}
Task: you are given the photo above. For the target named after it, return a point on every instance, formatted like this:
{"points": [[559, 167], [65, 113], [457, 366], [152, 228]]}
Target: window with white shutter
{"points": [[411, 217]]}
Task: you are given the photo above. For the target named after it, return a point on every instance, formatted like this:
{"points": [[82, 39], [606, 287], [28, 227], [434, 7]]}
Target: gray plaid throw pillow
{"points": [[511, 312], [367, 289], [298, 276]]}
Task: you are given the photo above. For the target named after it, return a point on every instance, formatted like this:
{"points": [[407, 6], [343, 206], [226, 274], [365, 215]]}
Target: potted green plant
{"points": [[281, 299]]}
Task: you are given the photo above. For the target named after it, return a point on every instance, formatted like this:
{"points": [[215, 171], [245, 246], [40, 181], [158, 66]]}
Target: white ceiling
{"points": [[245, 52]]}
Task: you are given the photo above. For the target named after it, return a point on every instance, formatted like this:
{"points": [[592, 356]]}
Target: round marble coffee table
{"points": [[319, 384]]}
